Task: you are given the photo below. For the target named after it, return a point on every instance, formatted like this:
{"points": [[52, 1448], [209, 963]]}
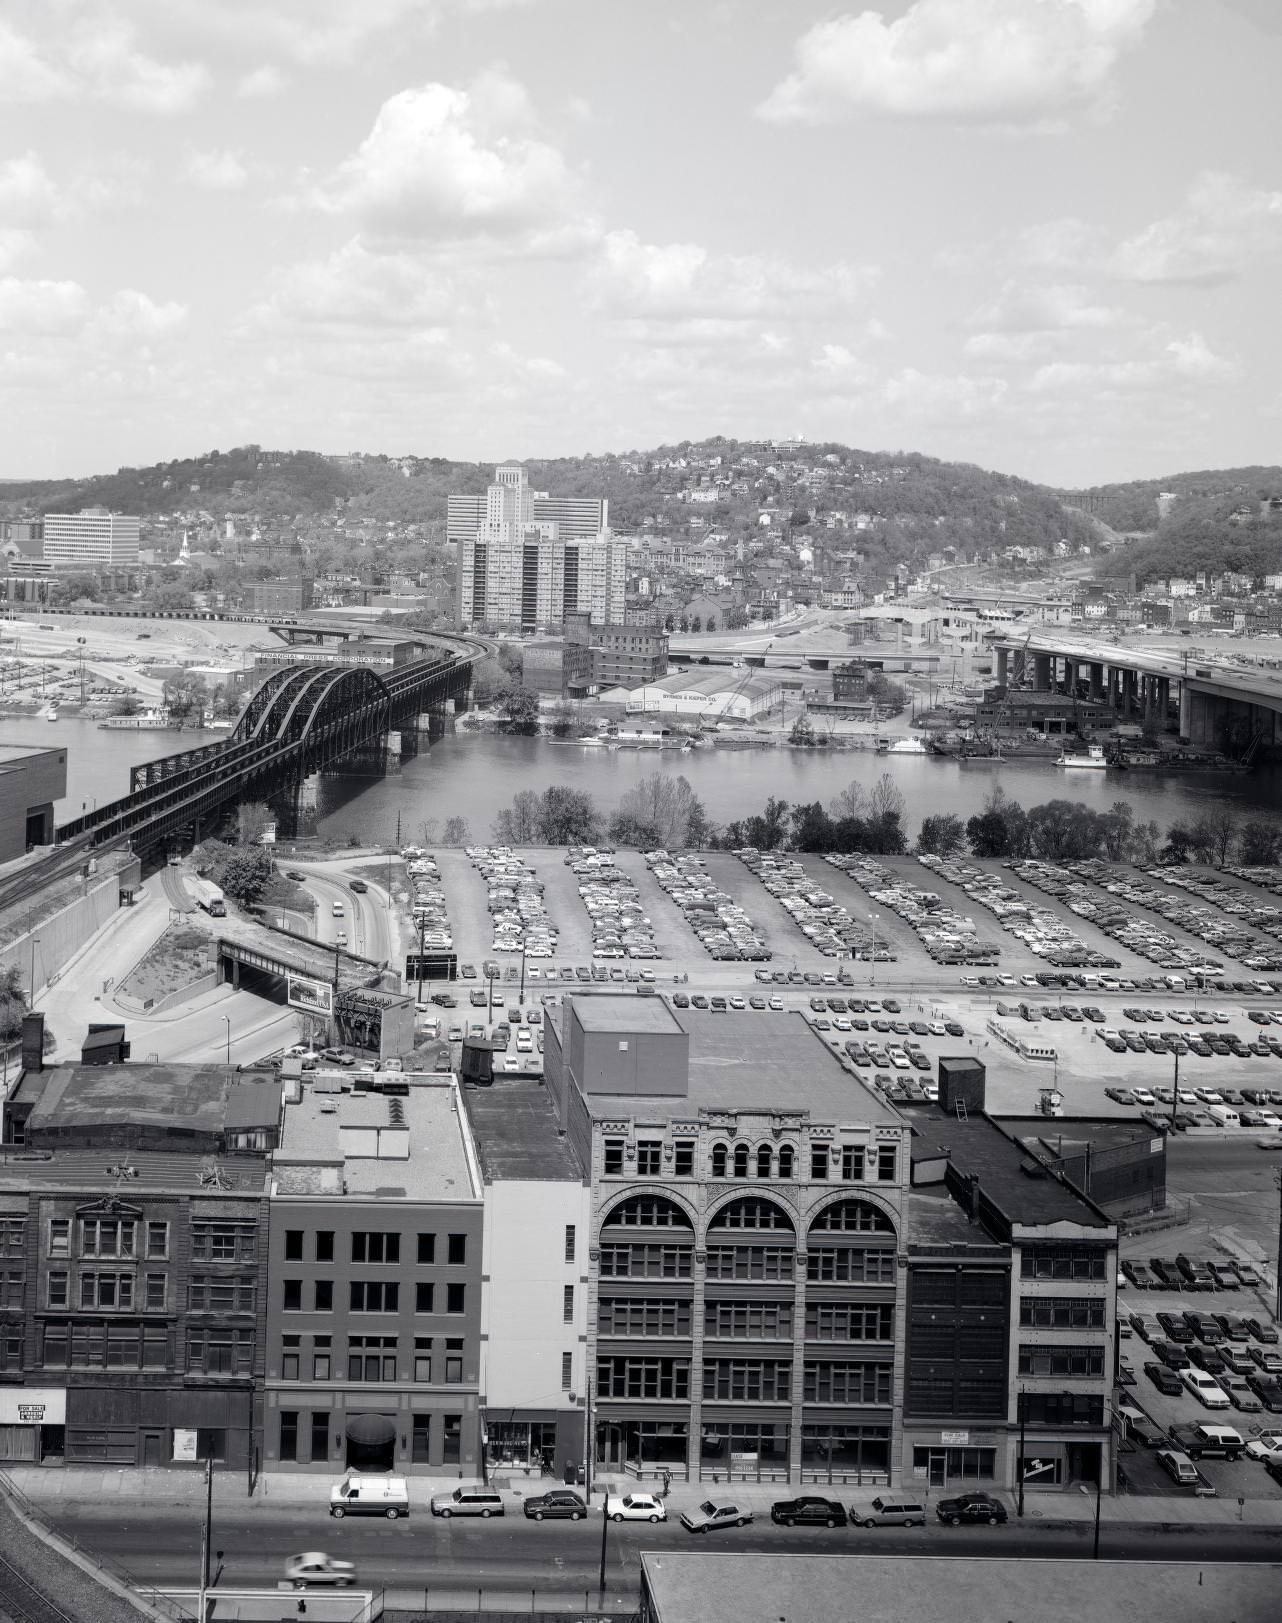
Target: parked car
{"points": [[635, 1507], [971, 1507], [1164, 1379], [1176, 1329], [889, 1511], [1205, 1388], [1141, 1277], [559, 1502], [1262, 1330], [808, 1511], [714, 1513], [1178, 1466]]}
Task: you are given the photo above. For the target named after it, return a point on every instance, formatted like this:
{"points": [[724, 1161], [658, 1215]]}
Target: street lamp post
{"points": [[1023, 1419], [35, 942], [872, 950], [227, 1023]]}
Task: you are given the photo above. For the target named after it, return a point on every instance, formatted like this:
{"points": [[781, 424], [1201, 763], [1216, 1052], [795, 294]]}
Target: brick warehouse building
{"points": [[133, 1251]]}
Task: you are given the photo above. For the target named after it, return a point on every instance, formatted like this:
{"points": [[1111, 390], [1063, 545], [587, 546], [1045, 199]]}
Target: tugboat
{"points": [[1093, 761]]}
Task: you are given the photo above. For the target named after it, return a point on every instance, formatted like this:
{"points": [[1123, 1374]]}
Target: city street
{"points": [[159, 1544]]}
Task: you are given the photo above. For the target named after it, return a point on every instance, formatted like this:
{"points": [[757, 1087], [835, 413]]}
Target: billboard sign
{"points": [[316, 997]]}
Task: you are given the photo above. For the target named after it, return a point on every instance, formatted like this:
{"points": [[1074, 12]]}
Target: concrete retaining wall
{"points": [[63, 934]]}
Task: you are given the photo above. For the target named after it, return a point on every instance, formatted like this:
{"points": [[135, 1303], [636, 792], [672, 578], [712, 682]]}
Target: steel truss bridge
{"points": [[302, 720]]}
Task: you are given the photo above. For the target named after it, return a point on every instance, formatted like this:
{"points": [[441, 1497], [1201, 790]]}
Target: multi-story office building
{"points": [[534, 1299], [744, 1293], [133, 1250], [792, 1280], [526, 560], [91, 539], [374, 1287]]}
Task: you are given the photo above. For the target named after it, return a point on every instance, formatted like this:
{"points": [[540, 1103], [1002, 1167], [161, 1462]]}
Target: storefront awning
{"points": [[371, 1430]]}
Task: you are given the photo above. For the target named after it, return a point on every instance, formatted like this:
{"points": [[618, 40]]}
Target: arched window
{"points": [[719, 1154], [752, 1213], [764, 1158], [647, 1211], [786, 1158], [853, 1217], [741, 1160]]}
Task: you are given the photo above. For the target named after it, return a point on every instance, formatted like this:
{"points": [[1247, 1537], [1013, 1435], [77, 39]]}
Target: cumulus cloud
{"points": [[683, 281], [41, 307], [94, 57], [942, 397], [1222, 225], [998, 61], [450, 163], [356, 290], [28, 196], [1182, 360], [130, 317], [266, 80], [217, 171]]}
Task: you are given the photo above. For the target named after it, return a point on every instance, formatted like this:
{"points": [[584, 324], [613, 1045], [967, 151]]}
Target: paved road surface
{"points": [[160, 1545]]}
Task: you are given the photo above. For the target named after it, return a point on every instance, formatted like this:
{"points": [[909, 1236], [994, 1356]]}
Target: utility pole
{"points": [[587, 1445], [206, 1539], [1023, 1417], [1175, 1093], [422, 926], [605, 1529]]}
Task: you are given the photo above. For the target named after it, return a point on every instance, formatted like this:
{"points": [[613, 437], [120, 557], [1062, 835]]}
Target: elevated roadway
{"points": [[1220, 706]]}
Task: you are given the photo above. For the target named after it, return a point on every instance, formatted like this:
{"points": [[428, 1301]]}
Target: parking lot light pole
{"points": [[1175, 1093]]}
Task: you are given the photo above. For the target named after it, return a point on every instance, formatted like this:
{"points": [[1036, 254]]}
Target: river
{"points": [[472, 775]]}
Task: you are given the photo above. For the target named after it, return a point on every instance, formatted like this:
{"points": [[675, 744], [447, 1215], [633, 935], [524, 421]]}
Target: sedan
{"points": [[776, 1002], [315, 1567], [1164, 1379], [1141, 1277], [635, 1507], [971, 1507], [714, 1513], [560, 1502], [1267, 1446], [808, 1511]]}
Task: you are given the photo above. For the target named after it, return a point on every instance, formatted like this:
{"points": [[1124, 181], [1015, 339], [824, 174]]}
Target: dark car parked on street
{"points": [[971, 1507], [808, 1511], [559, 1502]]}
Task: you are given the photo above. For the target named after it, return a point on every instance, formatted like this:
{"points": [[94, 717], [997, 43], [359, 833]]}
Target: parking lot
{"points": [[1244, 1477]]}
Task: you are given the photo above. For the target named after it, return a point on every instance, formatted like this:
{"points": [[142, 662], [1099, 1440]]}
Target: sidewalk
{"points": [[289, 1491]]}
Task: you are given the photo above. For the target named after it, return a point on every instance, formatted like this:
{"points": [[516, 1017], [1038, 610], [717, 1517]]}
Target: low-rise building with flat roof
{"points": [[30, 781], [691, 1586], [534, 1300], [133, 1251], [374, 1310]]}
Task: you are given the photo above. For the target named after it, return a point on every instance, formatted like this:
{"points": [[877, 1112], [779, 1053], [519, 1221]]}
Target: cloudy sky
{"points": [[1043, 235]]}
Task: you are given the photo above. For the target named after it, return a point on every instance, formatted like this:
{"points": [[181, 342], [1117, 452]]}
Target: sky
{"points": [[1040, 235]]}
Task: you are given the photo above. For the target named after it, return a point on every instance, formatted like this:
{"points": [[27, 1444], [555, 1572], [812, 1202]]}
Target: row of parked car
{"points": [[521, 921], [820, 918], [947, 935], [1106, 898], [722, 926], [428, 911], [1237, 910], [620, 927], [808, 1510], [1045, 932]]}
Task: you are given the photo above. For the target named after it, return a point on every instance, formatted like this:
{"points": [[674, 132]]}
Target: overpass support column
{"points": [[1042, 673], [1003, 666], [1128, 694], [1097, 681], [1163, 702], [1186, 711]]}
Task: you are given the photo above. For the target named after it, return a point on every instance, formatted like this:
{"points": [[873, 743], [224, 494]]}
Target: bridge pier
{"points": [[1097, 681], [1042, 678], [392, 754], [1003, 666]]}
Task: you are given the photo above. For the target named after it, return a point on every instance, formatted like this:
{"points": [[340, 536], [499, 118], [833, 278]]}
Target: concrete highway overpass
{"points": [[1219, 706]]}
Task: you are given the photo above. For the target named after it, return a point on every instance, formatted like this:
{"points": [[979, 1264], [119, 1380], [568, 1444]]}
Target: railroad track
{"points": [[22, 1602]]}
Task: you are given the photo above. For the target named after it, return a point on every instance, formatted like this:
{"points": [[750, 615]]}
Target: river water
{"points": [[473, 775]]}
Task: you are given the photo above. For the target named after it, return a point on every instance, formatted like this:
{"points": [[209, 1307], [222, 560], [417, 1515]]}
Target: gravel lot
{"points": [[465, 897]]}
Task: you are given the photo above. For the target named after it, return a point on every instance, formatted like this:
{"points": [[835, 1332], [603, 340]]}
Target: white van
{"points": [[337, 910], [1223, 1116], [358, 1495]]}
